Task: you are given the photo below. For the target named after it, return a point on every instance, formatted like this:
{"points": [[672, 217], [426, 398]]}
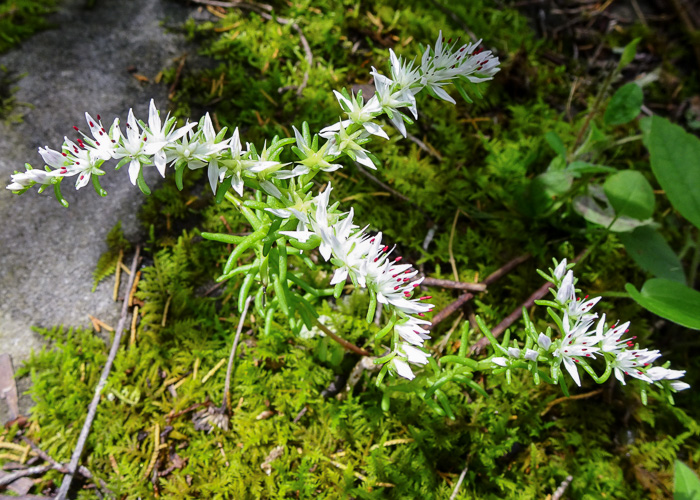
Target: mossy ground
{"points": [[514, 444]]}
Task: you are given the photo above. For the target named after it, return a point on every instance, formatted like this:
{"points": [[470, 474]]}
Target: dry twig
{"points": [[92, 410]]}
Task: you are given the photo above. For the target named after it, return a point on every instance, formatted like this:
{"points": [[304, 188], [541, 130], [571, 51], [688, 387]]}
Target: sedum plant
{"points": [[273, 188]]}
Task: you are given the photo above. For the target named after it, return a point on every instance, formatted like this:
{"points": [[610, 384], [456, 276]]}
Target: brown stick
{"points": [[92, 409], [462, 299], [349, 346], [459, 285], [31, 471], [226, 405]]}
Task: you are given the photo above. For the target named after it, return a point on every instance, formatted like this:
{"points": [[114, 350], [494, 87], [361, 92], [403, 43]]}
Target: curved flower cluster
{"points": [[365, 259], [584, 339], [355, 253]]}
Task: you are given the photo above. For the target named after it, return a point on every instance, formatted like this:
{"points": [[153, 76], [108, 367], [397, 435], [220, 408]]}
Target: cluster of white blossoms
{"points": [[364, 259], [355, 253], [161, 143], [584, 338]]}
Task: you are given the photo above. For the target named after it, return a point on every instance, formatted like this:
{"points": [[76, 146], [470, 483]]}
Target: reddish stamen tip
{"points": [[64, 154], [397, 287], [427, 297], [385, 248], [398, 259], [98, 117], [421, 315], [76, 128], [92, 124]]}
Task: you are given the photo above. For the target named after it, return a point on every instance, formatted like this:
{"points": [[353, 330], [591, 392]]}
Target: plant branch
{"points": [[462, 299], [31, 471], [458, 285], [349, 346], [92, 410], [226, 404]]}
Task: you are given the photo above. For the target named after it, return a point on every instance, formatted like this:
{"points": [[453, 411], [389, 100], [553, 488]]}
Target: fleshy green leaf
{"points": [[630, 194], [625, 105], [669, 299], [652, 253], [686, 483], [675, 161]]}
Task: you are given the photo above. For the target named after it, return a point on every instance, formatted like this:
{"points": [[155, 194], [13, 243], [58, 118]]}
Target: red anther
{"points": [[586, 297], [479, 50], [646, 364], [77, 163], [584, 349], [406, 280], [372, 240], [415, 285], [394, 276], [113, 141], [82, 177], [145, 138], [588, 355], [407, 271], [639, 372], [449, 41], [64, 154], [397, 287], [427, 297], [627, 331], [626, 373], [462, 49], [566, 350], [102, 133], [398, 279], [103, 129], [76, 128], [98, 117], [376, 259], [576, 360], [407, 294], [97, 142], [398, 259], [92, 124], [634, 337], [421, 315], [385, 248], [584, 343]]}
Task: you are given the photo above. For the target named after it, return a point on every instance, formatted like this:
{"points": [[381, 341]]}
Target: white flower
{"points": [[358, 112], [544, 341], [391, 102], [566, 289], [406, 353], [500, 361], [577, 342], [514, 352], [630, 362], [103, 143], [612, 337], [81, 163], [680, 386], [313, 159], [131, 147], [531, 355], [350, 145], [404, 74], [659, 373], [159, 137], [579, 308], [560, 270], [33, 176], [411, 330]]}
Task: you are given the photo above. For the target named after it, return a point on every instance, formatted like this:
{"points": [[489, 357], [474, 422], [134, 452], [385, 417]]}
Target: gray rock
{"points": [[47, 252]]}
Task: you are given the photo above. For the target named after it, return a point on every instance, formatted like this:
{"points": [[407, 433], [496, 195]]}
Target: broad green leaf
{"points": [[686, 483], [669, 299], [581, 167], [625, 105], [630, 194], [628, 53], [590, 209], [675, 161], [651, 252], [555, 143]]}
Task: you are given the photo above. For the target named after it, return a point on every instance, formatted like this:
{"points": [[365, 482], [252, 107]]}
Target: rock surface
{"points": [[47, 252]]}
